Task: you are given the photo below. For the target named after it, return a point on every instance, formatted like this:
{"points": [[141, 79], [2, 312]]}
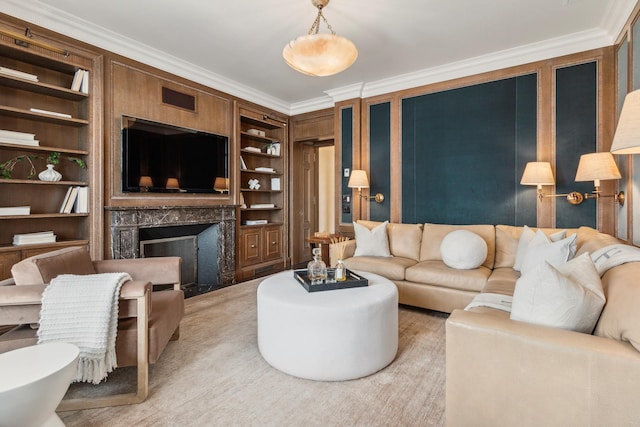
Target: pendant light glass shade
{"points": [[318, 54]]}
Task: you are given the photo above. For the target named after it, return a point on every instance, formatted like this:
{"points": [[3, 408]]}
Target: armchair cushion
{"points": [[40, 269]]}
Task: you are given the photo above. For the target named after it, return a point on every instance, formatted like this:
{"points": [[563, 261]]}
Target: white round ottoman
{"points": [[328, 335]]}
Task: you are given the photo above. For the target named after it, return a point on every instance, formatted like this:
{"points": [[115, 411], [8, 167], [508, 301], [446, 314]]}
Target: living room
{"points": [[421, 137]]}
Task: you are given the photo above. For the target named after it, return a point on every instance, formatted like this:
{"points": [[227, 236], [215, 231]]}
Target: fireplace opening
{"points": [[196, 244]]}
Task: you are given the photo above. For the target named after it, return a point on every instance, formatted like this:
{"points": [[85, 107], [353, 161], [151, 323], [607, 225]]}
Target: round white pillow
{"points": [[463, 250]]}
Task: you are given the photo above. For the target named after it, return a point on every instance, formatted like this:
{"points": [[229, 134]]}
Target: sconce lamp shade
{"points": [[173, 183], [537, 173], [221, 184], [596, 167], [145, 181], [627, 137], [358, 179]]}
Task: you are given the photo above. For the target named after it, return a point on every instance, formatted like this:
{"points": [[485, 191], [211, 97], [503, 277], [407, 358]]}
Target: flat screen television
{"points": [[163, 158]]}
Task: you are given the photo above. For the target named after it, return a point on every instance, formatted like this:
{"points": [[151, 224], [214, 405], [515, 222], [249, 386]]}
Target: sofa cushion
{"points": [[542, 249], [590, 240], [567, 296], [371, 242], [404, 239], [392, 268], [437, 273], [502, 281], [507, 239], [528, 239], [463, 250], [433, 235], [620, 318], [40, 269]]}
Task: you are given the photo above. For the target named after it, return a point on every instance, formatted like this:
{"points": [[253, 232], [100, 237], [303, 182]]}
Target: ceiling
{"points": [[236, 46]]}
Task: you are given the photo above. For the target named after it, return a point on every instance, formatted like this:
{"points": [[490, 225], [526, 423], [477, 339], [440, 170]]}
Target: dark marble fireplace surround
{"points": [[126, 222]]}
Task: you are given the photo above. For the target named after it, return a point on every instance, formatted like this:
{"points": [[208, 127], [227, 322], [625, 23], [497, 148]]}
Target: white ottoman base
{"points": [[329, 335]]}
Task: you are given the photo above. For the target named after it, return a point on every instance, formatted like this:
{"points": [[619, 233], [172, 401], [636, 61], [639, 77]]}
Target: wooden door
{"points": [[304, 199]]}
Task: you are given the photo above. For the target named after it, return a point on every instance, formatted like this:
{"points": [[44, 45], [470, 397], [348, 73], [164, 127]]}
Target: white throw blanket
{"points": [[613, 256], [83, 310], [497, 301]]}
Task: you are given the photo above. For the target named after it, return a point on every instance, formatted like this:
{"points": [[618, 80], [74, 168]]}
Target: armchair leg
{"points": [[142, 390]]}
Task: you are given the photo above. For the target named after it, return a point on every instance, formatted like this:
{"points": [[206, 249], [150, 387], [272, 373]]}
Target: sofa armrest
{"points": [[349, 250], [21, 295], [513, 373], [157, 270]]}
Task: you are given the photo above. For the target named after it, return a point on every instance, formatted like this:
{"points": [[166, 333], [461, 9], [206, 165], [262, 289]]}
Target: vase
{"points": [[50, 174]]}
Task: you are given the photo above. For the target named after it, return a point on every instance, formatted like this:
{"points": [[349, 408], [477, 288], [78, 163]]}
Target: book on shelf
{"points": [[69, 200], [252, 149], [20, 74], [256, 222], [262, 205], [265, 169], [77, 79], [34, 238], [243, 165], [82, 200], [243, 205], [15, 210], [84, 87], [276, 147], [50, 113], [18, 138]]}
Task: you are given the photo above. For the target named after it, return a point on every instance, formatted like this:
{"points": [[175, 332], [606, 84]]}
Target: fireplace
{"points": [[203, 236]]}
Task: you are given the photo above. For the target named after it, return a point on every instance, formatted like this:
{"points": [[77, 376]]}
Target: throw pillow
{"points": [[372, 242], [541, 249], [463, 250], [40, 269], [569, 296], [525, 240]]}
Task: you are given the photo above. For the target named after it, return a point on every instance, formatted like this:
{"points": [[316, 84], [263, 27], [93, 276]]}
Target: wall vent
{"points": [[178, 99]]}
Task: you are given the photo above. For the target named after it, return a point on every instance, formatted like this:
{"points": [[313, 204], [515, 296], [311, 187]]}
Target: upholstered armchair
{"points": [[147, 320]]}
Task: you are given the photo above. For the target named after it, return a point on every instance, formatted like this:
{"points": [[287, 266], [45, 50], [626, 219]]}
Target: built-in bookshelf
{"points": [[43, 117], [262, 215]]}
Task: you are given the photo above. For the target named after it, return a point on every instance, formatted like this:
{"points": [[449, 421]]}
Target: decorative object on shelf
{"points": [[254, 184], [359, 180], [316, 269], [50, 174], [256, 132], [318, 54], [6, 168]]}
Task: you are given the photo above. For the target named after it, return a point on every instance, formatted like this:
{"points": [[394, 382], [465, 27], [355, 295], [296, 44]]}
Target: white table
{"points": [[328, 335], [33, 381]]}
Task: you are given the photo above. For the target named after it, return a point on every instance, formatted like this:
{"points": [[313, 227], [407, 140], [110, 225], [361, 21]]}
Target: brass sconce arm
{"points": [[576, 198]]}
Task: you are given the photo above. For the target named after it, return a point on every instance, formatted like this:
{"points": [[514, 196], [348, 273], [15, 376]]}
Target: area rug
{"points": [[215, 376]]}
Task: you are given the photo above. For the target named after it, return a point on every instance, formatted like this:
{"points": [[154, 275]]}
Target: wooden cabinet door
{"points": [[250, 252], [272, 243]]}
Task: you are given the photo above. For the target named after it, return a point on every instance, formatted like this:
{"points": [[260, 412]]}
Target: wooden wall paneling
{"points": [[622, 65], [546, 208], [213, 113], [347, 121]]}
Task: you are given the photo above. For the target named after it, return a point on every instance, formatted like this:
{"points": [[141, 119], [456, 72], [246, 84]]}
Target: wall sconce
{"points": [[221, 184], [595, 167], [172, 184], [539, 174], [145, 183], [359, 180]]}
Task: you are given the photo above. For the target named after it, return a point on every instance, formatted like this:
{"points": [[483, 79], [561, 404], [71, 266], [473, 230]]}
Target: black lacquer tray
{"points": [[353, 281]]}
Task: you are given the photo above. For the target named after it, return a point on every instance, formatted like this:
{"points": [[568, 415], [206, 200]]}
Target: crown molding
{"points": [[616, 17], [72, 26]]}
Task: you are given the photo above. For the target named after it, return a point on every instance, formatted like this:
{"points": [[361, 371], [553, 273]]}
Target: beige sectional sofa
{"points": [[502, 372]]}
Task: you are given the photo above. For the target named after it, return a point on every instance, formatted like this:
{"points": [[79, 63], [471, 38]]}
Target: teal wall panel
{"points": [[346, 136], [379, 160], [463, 153], [576, 134]]}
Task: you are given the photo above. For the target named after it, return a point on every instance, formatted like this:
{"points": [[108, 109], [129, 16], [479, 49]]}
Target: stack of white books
{"points": [[76, 200], [50, 113], [262, 205], [15, 73], [256, 222], [18, 138], [265, 169], [34, 238], [15, 210], [80, 81]]}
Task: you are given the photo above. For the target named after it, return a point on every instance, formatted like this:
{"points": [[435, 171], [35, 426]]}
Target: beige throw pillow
{"points": [[372, 242], [568, 296]]}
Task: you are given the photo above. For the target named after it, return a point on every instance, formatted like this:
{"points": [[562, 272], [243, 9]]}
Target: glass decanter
{"points": [[316, 269]]}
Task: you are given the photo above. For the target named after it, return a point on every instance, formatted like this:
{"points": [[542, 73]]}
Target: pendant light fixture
{"points": [[318, 54]]}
